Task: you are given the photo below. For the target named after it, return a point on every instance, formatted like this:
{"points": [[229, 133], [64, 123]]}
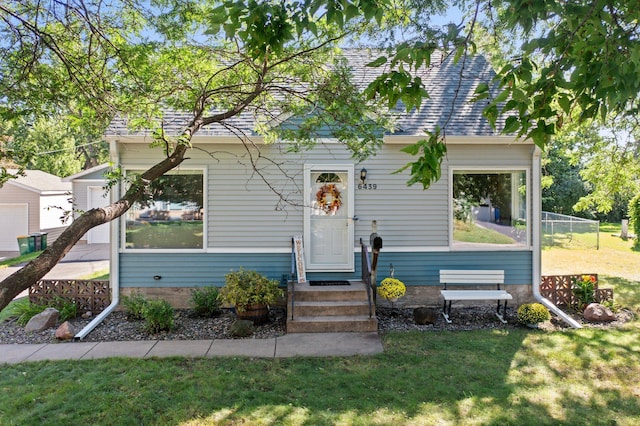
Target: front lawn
{"points": [[483, 377], [519, 377]]}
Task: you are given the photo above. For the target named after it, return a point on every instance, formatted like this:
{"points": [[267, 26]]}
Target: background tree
{"points": [[218, 59], [565, 186], [214, 59], [610, 168], [55, 145]]}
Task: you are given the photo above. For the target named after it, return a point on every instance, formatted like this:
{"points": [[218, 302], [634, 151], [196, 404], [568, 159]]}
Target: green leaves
{"points": [[579, 57], [270, 26], [427, 168]]}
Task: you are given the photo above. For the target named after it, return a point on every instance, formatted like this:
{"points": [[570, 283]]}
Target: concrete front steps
{"points": [[329, 309]]}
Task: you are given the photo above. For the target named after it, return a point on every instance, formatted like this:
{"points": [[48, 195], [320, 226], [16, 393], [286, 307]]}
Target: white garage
{"points": [[14, 223], [31, 204], [89, 193]]}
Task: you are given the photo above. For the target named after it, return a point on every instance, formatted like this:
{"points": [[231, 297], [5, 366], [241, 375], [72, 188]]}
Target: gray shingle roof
{"points": [[450, 85], [40, 181]]}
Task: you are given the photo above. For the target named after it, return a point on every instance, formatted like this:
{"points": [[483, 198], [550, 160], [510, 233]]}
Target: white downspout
{"points": [[114, 261], [537, 247]]}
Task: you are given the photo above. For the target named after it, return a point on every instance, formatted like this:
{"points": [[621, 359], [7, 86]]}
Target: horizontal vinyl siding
{"points": [[80, 197], [405, 216], [244, 212], [414, 269], [193, 270], [516, 154], [53, 234], [421, 269]]}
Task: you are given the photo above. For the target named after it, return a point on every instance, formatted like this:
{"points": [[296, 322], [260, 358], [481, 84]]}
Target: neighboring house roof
{"points": [[451, 87], [99, 169], [40, 182]]}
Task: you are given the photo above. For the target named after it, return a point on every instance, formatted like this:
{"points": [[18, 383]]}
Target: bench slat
{"points": [[475, 295], [480, 277]]}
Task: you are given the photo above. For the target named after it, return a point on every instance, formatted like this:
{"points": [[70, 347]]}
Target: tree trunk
{"points": [[40, 266], [33, 271]]}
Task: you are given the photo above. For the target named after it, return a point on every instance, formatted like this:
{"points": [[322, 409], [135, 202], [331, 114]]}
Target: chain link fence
{"points": [[560, 230]]}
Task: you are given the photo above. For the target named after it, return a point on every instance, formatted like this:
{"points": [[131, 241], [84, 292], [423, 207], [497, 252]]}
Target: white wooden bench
{"points": [[473, 278]]}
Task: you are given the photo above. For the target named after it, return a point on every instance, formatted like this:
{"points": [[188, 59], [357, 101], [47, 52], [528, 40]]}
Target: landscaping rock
{"points": [[424, 316], [40, 322], [596, 312], [66, 331], [87, 315], [242, 328]]}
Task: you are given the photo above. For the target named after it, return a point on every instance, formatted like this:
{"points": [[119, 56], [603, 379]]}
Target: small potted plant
{"points": [[391, 289], [250, 293], [532, 314]]}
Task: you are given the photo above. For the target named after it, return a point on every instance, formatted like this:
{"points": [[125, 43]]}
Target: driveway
{"points": [[82, 260]]}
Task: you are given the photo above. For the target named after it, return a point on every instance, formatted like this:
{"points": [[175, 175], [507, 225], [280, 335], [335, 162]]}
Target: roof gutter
{"points": [[114, 264], [537, 246]]}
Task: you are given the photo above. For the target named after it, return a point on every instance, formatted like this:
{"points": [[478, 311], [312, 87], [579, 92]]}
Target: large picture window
{"points": [[172, 215], [490, 208]]}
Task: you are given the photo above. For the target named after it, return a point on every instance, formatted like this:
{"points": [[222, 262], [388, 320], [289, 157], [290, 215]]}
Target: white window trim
{"points": [[490, 247], [205, 221]]}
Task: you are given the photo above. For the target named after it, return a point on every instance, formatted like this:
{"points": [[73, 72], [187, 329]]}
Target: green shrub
{"points": [[206, 301], [533, 313], [67, 309], [158, 316], [134, 306], [634, 215], [247, 287], [25, 311], [611, 304]]}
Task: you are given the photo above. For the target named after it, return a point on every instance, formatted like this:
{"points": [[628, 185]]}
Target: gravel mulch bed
{"points": [[116, 327]]}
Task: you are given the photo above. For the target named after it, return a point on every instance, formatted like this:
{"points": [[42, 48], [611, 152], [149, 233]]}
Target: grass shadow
{"points": [[626, 292], [516, 376]]}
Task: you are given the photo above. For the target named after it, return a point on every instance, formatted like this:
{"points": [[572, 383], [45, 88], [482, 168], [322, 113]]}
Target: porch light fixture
{"points": [[363, 175]]}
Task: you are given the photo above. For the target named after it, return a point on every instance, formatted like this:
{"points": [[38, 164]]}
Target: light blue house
{"points": [[238, 202]]}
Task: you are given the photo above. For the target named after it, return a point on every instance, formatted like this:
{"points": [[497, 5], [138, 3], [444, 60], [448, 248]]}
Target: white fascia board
{"points": [[23, 186], [196, 139], [78, 175], [460, 140]]}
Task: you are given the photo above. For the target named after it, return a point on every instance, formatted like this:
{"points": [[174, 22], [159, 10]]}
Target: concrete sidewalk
{"points": [[290, 345]]}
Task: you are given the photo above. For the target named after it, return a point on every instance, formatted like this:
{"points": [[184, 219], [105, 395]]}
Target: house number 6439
{"points": [[367, 186]]}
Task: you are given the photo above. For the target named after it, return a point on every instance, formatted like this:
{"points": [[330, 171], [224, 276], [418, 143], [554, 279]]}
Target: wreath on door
{"points": [[328, 198]]}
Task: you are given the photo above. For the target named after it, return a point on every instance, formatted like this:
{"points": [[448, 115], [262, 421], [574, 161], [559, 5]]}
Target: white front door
{"points": [[328, 219]]}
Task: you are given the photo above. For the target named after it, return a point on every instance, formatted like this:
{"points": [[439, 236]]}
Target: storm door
{"points": [[328, 233]]}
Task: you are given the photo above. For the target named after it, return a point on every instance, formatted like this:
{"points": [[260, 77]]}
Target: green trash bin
{"points": [[26, 244], [37, 241], [44, 240]]}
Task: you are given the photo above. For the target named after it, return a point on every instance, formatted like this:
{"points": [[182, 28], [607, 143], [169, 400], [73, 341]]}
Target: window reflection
{"points": [[172, 215], [490, 207]]}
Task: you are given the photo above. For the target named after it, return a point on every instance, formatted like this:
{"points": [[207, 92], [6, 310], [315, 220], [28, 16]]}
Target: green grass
{"points": [[14, 308], [502, 377], [97, 275], [165, 234], [617, 264], [517, 377], [470, 233], [20, 259]]}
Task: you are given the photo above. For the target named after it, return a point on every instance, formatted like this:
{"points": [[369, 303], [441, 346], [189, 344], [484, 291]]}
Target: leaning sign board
{"points": [[298, 251]]}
